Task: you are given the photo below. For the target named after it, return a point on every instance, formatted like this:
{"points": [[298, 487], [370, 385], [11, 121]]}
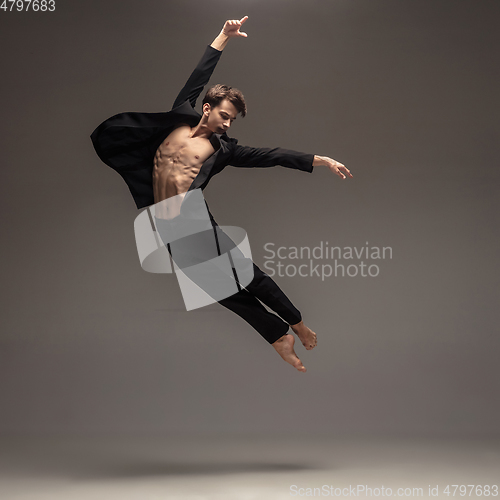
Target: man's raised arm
{"points": [[203, 71]]}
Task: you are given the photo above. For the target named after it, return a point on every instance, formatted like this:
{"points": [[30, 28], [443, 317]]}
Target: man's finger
{"points": [[342, 167], [336, 169], [243, 19]]}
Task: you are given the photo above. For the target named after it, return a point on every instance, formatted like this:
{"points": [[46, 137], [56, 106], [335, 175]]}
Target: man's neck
{"points": [[201, 130]]}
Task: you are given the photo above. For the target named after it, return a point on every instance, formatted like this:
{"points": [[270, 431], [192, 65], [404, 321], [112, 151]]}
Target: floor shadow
{"points": [[136, 470]]}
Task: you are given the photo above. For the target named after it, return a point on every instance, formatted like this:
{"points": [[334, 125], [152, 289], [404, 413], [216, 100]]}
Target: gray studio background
{"points": [[404, 93]]}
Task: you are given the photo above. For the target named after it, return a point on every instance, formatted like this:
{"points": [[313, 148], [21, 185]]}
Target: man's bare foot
{"points": [[306, 335], [284, 347]]}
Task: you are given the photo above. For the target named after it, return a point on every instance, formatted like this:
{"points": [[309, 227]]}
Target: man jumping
{"points": [[166, 155]]}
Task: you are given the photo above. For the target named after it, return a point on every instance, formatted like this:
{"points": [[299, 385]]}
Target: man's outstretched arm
{"points": [[247, 157], [203, 71]]}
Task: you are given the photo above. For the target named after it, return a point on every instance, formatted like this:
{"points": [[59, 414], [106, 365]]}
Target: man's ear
{"points": [[206, 108]]}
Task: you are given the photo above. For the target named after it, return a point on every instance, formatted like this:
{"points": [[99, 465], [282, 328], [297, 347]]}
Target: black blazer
{"points": [[127, 142]]}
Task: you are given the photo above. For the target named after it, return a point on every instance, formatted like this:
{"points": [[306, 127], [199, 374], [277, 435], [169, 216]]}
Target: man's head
{"points": [[221, 104]]}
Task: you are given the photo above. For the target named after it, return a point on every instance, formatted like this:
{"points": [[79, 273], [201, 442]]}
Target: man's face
{"points": [[221, 117]]}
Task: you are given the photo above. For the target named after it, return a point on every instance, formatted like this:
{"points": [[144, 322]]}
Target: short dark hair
{"points": [[216, 94]]}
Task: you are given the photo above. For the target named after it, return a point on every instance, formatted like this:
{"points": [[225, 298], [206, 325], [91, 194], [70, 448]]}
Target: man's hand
{"points": [[231, 29], [333, 165]]}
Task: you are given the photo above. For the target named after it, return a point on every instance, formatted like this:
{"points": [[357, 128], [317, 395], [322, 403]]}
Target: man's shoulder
{"points": [[230, 141]]}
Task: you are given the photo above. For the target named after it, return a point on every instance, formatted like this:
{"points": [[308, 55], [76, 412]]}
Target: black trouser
{"points": [[245, 303]]}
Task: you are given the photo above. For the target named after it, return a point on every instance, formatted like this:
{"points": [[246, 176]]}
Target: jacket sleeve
{"points": [[199, 77], [247, 157]]}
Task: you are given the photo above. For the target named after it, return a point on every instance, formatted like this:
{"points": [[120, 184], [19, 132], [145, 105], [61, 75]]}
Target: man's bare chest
{"points": [[180, 148]]}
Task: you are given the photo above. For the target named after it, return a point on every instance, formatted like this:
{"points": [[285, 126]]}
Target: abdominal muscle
{"points": [[177, 162]]}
